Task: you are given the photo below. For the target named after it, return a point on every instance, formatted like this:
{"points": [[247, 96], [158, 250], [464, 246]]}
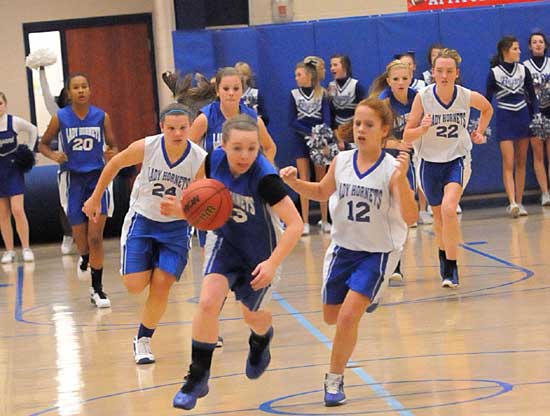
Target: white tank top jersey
{"points": [[159, 177], [365, 216], [448, 137]]}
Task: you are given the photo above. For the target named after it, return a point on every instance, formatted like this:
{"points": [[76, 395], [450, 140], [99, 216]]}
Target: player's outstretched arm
{"points": [[318, 191], [130, 156]]}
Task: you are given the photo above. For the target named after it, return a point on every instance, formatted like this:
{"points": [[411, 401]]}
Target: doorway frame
{"points": [[62, 25]]}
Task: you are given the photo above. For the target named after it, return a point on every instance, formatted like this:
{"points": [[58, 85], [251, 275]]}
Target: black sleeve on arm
{"points": [[272, 189], [207, 165]]}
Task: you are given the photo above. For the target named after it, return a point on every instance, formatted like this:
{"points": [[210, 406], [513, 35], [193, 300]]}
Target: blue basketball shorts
{"points": [[360, 271], [225, 259], [435, 176], [147, 245], [80, 187]]}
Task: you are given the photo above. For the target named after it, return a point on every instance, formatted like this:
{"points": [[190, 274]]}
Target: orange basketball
{"points": [[207, 204]]}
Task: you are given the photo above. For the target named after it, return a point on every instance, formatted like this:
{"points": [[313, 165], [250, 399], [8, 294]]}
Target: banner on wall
{"points": [[422, 5]]}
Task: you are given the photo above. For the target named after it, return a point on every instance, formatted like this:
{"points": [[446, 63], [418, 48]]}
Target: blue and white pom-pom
{"points": [[540, 126], [322, 146], [474, 123], [40, 57]]}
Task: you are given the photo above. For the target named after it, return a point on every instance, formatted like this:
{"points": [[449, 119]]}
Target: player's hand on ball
{"points": [[289, 174], [263, 275]]}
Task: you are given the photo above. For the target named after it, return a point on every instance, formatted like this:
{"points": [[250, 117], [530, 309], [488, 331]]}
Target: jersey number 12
{"points": [[358, 213]]}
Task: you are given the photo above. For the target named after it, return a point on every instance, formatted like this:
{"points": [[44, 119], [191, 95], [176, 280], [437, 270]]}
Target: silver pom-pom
{"points": [[41, 57], [322, 146], [540, 126], [474, 123]]}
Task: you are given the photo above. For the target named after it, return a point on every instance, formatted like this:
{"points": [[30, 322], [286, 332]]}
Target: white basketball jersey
{"points": [[160, 177], [448, 137], [365, 216]]}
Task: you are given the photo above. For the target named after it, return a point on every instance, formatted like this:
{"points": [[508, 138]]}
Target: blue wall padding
{"points": [[239, 45], [42, 204], [193, 51], [371, 42], [281, 47]]}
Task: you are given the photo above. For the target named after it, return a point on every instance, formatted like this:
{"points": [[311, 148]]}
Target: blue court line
{"points": [[475, 243], [177, 383], [378, 389], [5, 284], [19, 294]]}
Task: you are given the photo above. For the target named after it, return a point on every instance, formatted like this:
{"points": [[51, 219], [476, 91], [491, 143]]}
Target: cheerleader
{"points": [[309, 107], [251, 96], [344, 94], [12, 183], [539, 67], [510, 82]]}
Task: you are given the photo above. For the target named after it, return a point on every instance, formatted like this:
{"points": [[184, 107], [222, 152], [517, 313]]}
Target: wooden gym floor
{"points": [[483, 349]]}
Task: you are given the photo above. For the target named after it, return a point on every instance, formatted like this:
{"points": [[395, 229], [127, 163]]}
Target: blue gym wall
{"points": [[371, 42]]}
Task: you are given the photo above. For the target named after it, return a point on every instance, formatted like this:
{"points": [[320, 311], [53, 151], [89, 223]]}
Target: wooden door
{"points": [[117, 58]]}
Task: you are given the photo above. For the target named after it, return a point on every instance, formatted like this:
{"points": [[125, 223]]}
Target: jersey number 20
{"points": [[359, 212], [83, 144]]}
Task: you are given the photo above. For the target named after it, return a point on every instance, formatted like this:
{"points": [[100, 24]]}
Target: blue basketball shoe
{"points": [[259, 355], [194, 387], [334, 390]]}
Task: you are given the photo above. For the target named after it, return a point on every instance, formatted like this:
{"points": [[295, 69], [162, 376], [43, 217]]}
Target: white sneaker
{"points": [[425, 218], [142, 351], [513, 210], [83, 275], [306, 229], [219, 342], [28, 255], [396, 277], [326, 227], [458, 209], [430, 211], [99, 299], [67, 245], [545, 199], [522, 211], [8, 257]]}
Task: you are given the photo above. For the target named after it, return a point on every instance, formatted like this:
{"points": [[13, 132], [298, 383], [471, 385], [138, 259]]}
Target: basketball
{"points": [[207, 204]]}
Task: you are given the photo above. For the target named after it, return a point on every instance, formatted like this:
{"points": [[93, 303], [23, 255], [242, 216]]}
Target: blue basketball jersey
{"points": [[82, 140], [252, 228], [215, 117], [401, 110]]}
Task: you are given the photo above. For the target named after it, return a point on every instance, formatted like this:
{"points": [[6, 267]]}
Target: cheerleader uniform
{"points": [[512, 86], [12, 178], [539, 67], [306, 112]]}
